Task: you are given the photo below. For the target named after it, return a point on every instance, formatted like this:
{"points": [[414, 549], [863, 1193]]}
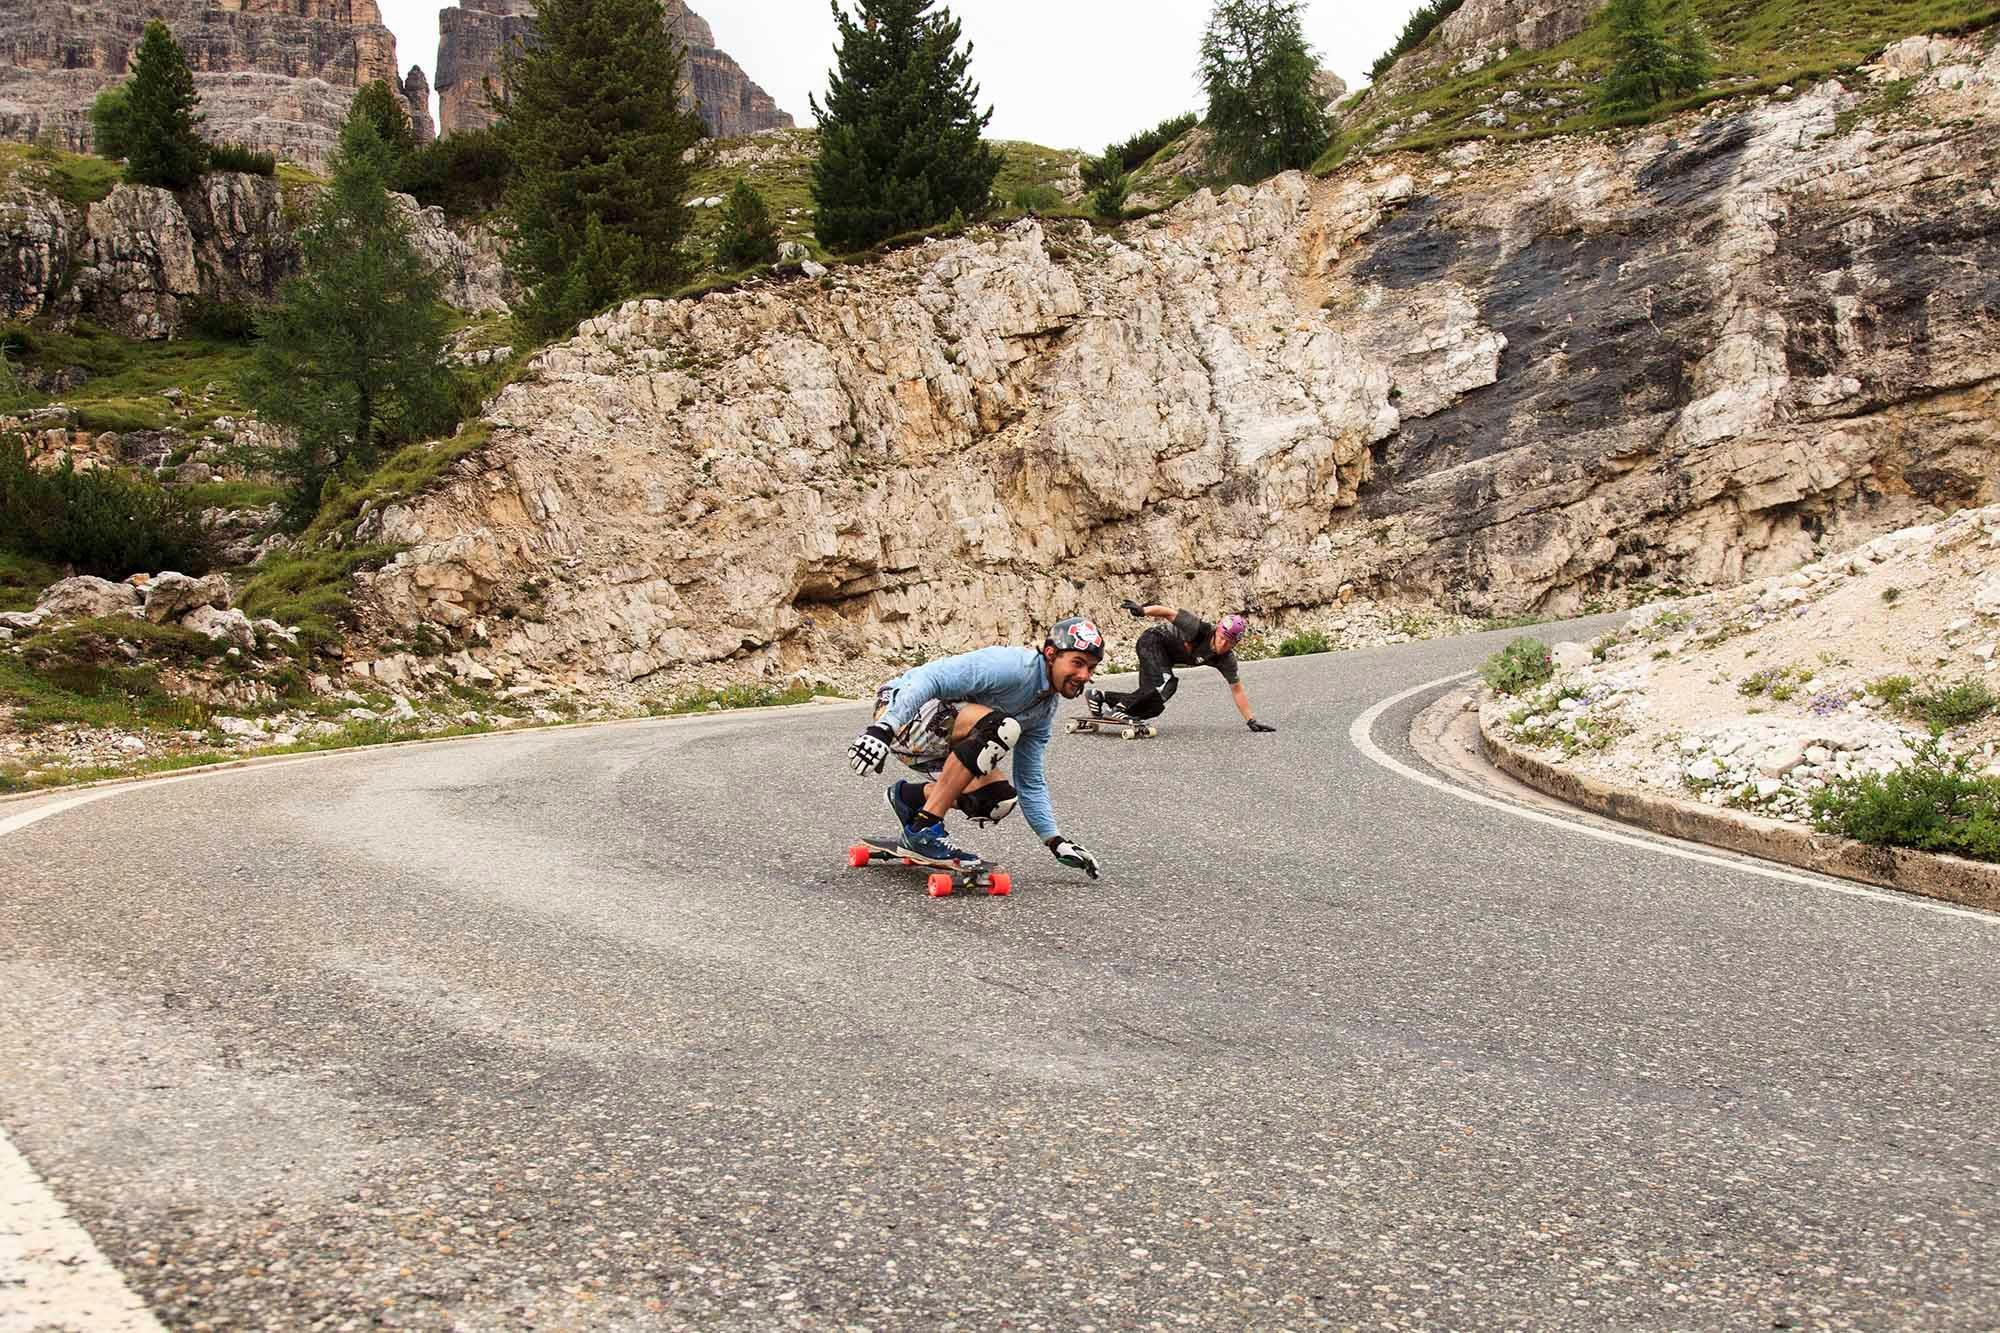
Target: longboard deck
{"points": [[1130, 731], [945, 875]]}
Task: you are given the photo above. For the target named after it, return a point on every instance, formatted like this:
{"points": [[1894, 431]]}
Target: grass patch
{"points": [[92, 693], [737, 696], [77, 179], [233, 494], [404, 473], [1779, 683], [312, 590], [1521, 665], [127, 376], [1958, 704], [22, 579], [1759, 47]]}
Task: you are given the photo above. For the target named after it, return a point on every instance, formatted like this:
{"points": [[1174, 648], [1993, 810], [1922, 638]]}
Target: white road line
{"points": [[52, 1275], [1361, 733]]}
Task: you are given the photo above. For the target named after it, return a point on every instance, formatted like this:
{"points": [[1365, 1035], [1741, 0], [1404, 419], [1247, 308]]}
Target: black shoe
{"points": [[1093, 699]]}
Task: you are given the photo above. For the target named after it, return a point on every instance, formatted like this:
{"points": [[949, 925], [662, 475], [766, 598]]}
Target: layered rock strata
{"points": [[474, 37], [276, 75], [1512, 380], [1482, 31]]}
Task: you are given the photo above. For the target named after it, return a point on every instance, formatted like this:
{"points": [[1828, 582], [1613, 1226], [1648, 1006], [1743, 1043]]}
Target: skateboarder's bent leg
{"points": [[1156, 683], [981, 741]]}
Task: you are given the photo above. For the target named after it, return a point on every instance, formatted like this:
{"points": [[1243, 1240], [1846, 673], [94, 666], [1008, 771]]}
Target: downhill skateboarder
{"points": [[957, 719], [1185, 640]]}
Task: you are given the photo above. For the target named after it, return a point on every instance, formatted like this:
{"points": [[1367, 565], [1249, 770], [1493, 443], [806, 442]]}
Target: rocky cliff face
{"points": [[136, 261], [474, 37], [1505, 379], [1482, 31], [274, 74]]}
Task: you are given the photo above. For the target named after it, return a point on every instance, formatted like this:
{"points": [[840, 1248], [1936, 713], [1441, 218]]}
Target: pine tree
{"points": [[899, 145], [1645, 68], [384, 106], [1694, 64], [1264, 115], [749, 236], [351, 358], [162, 144], [594, 122]]}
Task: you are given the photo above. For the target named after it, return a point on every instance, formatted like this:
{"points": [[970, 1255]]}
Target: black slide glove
{"points": [[1255, 725], [871, 748], [1138, 611], [1073, 856]]}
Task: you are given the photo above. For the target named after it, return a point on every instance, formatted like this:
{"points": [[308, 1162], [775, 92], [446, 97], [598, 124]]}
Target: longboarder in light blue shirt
{"points": [[958, 719]]}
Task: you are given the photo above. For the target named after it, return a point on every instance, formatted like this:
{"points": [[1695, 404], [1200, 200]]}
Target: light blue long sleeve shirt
{"points": [[1013, 681]]}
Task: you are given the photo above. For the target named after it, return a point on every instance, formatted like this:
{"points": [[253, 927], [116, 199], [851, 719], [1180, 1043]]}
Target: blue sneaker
{"points": [[899, 804], [932, 846]]}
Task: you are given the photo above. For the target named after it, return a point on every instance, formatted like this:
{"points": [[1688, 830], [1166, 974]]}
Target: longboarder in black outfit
{"points": [[1185, 640]]}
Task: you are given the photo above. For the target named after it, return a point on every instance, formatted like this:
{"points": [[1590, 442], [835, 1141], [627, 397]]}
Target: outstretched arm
{"points": [[1237, 693], [1156, 612]]}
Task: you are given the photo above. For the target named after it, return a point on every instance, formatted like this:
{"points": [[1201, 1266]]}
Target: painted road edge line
{"points": [[53, 1274], [1362, 734]]}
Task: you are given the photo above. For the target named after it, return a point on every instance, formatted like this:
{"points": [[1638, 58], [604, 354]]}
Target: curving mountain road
{"points": [[595, 1028]]}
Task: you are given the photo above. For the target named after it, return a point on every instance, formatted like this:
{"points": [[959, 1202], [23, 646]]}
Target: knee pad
{"points": [[1168, 686], [991, 741], [989, 804]]}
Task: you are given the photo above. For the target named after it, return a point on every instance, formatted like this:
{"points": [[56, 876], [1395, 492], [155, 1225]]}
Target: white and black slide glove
{"points": [[871, 748], [1255, 725], [1073, 855]]}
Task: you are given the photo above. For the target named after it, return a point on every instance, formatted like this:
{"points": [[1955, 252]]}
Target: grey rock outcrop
{"points": [[1548, 372], [136, 260], [474, 37], [1481, 31]]}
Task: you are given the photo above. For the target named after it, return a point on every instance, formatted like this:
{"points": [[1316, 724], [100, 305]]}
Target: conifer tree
{"points": [[899, 131], [162, 144], [351, 358], [1648, 66], [110, 120], [384, 106], [749, 236], [594, 121], [1264, 116]]}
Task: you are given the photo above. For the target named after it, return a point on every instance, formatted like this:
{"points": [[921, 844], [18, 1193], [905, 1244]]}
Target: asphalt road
{"points": [[597, 1029]]}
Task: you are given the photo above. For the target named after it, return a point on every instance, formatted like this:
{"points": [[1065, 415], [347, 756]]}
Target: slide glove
{"points": [[1138, 611], [1073, 856], [871, 748], [1255, 725]]}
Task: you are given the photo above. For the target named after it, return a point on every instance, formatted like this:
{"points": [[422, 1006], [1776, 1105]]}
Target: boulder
{"points": [[172, 595], [232, 625], [1569, 656], [87, 597]]}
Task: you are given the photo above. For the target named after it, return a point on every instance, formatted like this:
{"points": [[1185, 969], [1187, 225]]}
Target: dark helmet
{"points": [[1077, 634]]}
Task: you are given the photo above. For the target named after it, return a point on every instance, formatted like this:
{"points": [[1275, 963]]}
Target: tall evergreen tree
{"points": [[351, 357], [1264, 115], [594, 121], [899, 145], [1647, 65], [162, 144], [384, 106]]}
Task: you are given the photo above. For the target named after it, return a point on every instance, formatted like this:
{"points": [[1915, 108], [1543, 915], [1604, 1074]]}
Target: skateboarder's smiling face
{"points": [[1069, 672]]}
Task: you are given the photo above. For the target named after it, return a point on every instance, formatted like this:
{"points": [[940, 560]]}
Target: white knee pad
{"points": [[991, 741]]}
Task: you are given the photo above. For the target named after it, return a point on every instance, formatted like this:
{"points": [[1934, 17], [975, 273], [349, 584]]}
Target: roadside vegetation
{"points": [[1523, 664], [1935, 803]]}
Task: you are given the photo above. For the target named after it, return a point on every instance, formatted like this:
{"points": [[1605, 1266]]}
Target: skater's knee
{"points": [[1148, 705], [990, 741], [991, 803]]}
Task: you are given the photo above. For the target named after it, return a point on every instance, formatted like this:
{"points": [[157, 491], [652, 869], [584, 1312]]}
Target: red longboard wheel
{"points": [[908, 862], [1000, 884], [940, 885], [857, 856]]}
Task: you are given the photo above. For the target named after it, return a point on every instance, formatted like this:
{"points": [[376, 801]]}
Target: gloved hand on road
{"points": [[1138, 611], [871, 748], [1255, 725], [1073, 855]]}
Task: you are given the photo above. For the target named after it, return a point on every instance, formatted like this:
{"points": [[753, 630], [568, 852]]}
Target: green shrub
{"points": [[1304, 642], [1934, 803], [1954, 705], [1892, 690], [464, 173], [224, 321], [312, 590], [1134, 152], [102, 522], [1521, 665], [749, 237], [110, 121], [243, 158]]}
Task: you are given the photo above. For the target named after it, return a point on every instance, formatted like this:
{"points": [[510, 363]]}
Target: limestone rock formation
{"points": [[136, 260], [1548, 372], [473, 38], [416, 90], [1482, 31], [274, 74]]}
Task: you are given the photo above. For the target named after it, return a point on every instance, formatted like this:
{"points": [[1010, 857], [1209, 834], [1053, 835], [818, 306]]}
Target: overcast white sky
{"points": [[1064, 73]]}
